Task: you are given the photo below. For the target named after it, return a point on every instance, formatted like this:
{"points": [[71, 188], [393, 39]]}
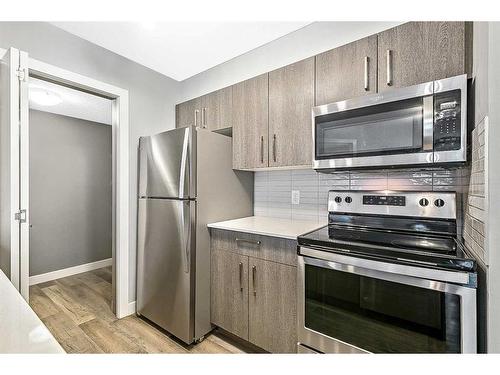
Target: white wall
{"points": [[152, 95], [308, 41], [493, 187]]}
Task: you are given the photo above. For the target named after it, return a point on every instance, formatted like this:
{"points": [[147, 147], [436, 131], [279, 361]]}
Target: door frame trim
{"points": [[121, 170]]}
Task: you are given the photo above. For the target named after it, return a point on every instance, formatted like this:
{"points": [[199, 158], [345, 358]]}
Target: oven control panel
{"points": [[447, 113], [384, 200], [429, 204]]}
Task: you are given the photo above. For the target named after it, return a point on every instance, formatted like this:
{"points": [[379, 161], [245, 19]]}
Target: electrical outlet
{"points": [[295, 196]]}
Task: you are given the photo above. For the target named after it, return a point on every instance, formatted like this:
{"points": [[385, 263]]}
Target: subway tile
{"points": [[369, 188], [409, 174], [334, 176], [369, 184], [280, 175], [367, 175]]}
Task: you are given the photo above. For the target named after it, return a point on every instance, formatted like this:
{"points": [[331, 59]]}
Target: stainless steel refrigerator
{"points": [[185, 182]]}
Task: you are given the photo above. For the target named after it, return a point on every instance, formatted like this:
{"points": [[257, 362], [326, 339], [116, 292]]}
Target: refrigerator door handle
{"points": [[184, 164], [186, 233]]}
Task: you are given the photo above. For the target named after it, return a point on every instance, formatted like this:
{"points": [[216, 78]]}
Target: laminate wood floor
{"points": [[77, 311]]}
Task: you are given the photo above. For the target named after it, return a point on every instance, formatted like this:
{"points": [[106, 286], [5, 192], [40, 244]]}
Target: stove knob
{"points": [[439, 203], [338, 199], [348, 199], [423, 202]]}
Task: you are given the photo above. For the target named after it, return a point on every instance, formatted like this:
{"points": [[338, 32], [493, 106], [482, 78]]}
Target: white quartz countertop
{"points": [[21, 331], [269, 226]]}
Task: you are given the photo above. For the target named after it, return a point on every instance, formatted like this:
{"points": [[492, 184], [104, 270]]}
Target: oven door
{"points": [[394, 128], [347, 305]]}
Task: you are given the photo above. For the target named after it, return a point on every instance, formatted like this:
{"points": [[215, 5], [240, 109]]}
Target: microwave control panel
{"points": [[447, 120]]}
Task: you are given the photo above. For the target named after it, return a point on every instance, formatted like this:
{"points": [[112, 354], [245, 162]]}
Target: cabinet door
{"points": [[229, 292], [225, 107], [418, 52], [216, 109], [272, 306], [210, 111], [250, 123], [347, 72], [188, 113], [291, 98]]}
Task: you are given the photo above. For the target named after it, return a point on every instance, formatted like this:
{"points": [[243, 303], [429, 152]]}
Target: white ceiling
{"points": [[75, 103], [180, 49]]}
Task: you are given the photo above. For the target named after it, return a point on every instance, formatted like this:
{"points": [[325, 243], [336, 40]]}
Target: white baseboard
{"points": [[44, 277], [131, 308]]}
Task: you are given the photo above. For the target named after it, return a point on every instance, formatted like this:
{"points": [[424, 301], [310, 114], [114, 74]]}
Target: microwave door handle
{"points": [[428, 123]]}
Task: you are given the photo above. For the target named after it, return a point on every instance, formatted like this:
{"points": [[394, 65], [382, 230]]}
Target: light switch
{"points": [[295, 196]]}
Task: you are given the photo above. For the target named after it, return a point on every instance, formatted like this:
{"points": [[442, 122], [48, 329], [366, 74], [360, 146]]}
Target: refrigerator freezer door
{"points": [[165, 164], [165, 282]]}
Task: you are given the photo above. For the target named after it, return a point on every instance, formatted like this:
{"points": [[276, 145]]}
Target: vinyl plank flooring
{"points": [[147, 337], [41, 304], [104, 273], [109, 338], [71, 307], [77, 310], [91, 301]]}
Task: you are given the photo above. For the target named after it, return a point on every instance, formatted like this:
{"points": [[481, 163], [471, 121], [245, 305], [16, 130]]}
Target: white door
{"points": [[14, 187]]}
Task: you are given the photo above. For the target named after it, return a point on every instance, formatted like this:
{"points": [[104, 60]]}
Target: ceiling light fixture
{"points": [[44, 97]]}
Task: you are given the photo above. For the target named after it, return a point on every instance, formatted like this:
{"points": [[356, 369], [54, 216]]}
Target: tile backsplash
{"points": [[273, 189], [475, 209]]}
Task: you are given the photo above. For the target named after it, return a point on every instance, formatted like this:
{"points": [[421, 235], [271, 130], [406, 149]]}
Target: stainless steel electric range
{"points": [[387, 275]]}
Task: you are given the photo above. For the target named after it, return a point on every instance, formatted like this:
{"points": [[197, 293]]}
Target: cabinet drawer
{"points": [[275, 249]]}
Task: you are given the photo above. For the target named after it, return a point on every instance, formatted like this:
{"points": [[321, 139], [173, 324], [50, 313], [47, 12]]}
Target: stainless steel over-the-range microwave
{"points": [[417, 125]]}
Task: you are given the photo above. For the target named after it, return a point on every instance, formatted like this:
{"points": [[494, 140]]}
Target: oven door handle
{"points": [[384, 270]]}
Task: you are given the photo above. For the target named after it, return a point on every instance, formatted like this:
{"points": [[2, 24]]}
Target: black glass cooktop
{"points": [[422, 248]]}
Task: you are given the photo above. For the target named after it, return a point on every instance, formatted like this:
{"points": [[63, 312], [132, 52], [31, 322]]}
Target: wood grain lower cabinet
{"points": [[273, 306], [251, 297], [418, 52], [229, 292], [347, 72], [291, 97]]}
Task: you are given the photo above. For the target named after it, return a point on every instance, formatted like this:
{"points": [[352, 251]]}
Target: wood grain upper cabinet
{"points": [[229, 292], [188, 113], [291, 98], [347, 72], [418, 52], [272, 306], [250, 123], [216, 109]]}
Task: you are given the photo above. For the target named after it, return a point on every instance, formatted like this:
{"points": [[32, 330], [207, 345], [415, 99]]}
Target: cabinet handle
{"points": [[241, 276], [254, 277], [253, 242], [262, 149], [389, 67], [274, 148], [204, 117], [367, 62], [196, 111]]}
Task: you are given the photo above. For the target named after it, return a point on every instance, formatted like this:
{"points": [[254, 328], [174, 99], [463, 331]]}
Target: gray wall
{"points": [[152, 95], [70, 192], [305, 42]]}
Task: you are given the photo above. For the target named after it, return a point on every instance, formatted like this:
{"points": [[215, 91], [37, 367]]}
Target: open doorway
{"points": [[17, 69], [70, 195]]}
